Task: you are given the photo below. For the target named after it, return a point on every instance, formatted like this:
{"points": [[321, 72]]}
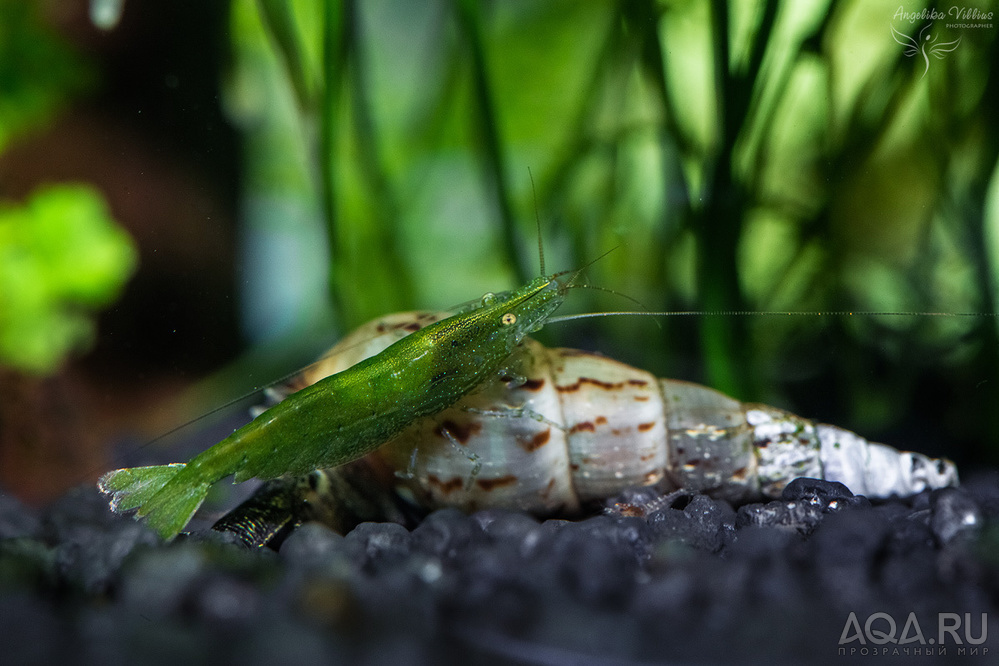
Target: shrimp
{"points": [[351, 413], [563, 429]]}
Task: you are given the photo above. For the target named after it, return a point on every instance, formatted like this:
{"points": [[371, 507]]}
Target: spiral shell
{"points": [[560, 427]]}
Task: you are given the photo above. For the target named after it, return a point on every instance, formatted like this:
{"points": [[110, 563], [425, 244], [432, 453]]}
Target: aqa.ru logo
{"points": [[881, 629]]}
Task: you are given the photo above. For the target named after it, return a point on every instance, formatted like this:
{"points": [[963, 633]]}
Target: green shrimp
{"points": [[349, 414]]}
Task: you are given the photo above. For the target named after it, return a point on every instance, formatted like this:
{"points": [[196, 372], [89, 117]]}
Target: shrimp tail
{"points": [[167, 506]]}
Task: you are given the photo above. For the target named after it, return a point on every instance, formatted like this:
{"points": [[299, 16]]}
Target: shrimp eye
{"points": [[509, 318]]}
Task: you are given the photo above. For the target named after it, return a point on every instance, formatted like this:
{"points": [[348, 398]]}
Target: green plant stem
{"points": [[494, 161], [335, 26], [279, 18], [387, 211]]}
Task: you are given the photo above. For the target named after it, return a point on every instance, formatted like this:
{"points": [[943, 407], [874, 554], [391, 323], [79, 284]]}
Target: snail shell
{"points": [[562, 427]]}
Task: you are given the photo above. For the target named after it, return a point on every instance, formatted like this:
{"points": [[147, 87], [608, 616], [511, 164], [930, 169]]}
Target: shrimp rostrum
{"points": [[425, 410]]}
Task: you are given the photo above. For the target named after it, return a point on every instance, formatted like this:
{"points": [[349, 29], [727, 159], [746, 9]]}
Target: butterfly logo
{"points": [[924, 45]]}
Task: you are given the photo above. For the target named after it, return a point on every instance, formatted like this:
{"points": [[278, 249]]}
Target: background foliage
{"points": [[739, 156], [61, 254], [316, 163]]}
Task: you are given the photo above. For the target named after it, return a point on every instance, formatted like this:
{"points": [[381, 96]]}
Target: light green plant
{"points": [[61, 258]]}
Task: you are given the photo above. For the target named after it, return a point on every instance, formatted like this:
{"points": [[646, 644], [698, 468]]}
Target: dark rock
{"points": [[27, 564], [444, 532], [539, 542], [827, 495], [491, 586], [800, 516], [225, 599], [983, 487], [379, 544], [16, 520], [287, 640], [82, 509], [920, 501], [311, 545], [695, 520], [157, 584], [32, 631], [504, 526], [954, 513], [685, 579], [803, 505], [805, 488], [850, 537], [599, 571], [91, 558], [842, 554], [754, 542]]}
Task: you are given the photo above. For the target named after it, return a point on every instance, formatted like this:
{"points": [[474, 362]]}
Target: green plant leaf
{"points": [[61, 256]]}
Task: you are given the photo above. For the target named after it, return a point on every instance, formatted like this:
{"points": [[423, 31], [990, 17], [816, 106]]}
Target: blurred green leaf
{"points": [[38, 70], [61, 256], [764, 155]]}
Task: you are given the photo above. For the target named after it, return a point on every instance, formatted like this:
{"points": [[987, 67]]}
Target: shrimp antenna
{"points": [[746, 313], [537, 218], [645, 310], [578, 271], [246, 395], [234, 401], [616, 293]]}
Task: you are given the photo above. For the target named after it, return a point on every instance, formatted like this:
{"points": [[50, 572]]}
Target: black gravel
{"points": [[680, 579]]}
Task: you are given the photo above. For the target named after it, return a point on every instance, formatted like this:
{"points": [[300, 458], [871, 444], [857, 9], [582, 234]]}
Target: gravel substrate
{"points": [[691, 581]]}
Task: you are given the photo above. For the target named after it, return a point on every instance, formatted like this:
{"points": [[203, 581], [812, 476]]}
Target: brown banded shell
{"points": [[560, 427]]}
